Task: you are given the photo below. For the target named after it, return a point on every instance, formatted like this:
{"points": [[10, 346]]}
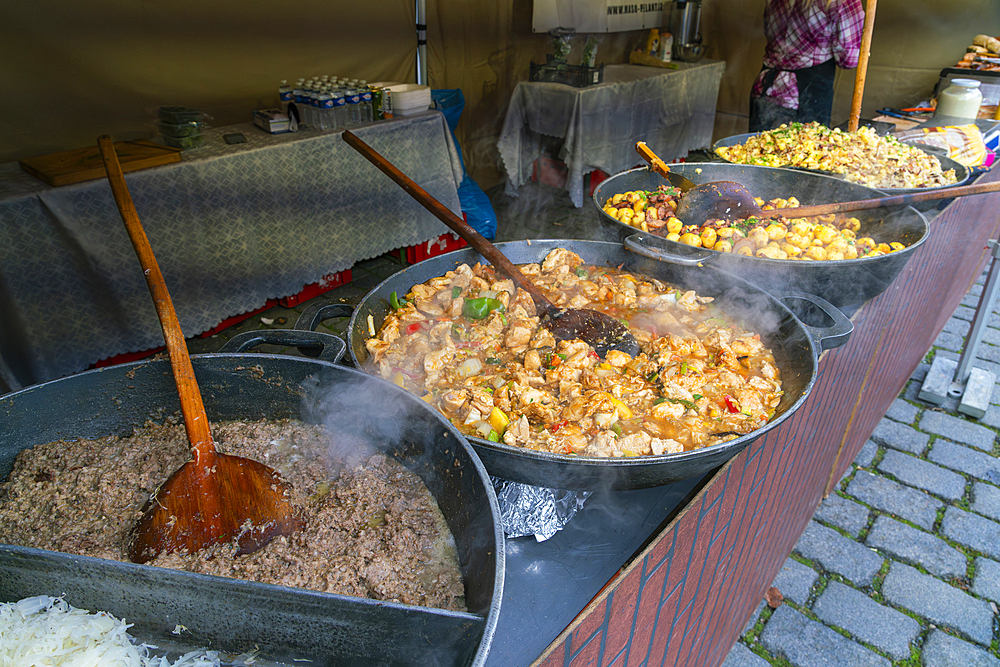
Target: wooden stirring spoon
{"points": [[599, 330], [717, 200], [731, 201], [881, 202], [214, 498], [660, 167]]}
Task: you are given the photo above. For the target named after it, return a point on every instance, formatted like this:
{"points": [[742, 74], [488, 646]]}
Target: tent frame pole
{"points": [[421, 20]]}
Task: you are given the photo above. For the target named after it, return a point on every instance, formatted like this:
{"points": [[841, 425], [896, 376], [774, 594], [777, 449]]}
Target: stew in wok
{"points": [[470, 344]]}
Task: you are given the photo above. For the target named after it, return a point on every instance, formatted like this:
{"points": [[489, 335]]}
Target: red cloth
{"points": [[798, 38]]}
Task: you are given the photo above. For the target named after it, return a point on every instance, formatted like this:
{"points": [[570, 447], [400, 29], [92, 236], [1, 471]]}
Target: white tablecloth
{"points": [[673, 111], [231, 227]]}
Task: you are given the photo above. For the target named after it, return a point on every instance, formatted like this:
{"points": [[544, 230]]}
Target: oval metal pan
{"points": [[846, 282], [962, 173]]}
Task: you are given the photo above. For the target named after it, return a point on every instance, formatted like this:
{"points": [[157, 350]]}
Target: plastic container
{"points": [[960, 100], [184, 142], [179, 115], [180, 130], [410, 98]]}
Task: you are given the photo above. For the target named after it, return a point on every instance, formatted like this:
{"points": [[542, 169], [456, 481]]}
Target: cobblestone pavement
{"points": [[901, 564]]}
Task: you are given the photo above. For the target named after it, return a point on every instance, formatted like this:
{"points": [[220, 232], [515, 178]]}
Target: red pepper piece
{"points": [[414, 327], [731, 403]]}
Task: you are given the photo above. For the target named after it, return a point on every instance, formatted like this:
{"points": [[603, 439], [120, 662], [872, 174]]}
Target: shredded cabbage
{"points": [[48, 632]]}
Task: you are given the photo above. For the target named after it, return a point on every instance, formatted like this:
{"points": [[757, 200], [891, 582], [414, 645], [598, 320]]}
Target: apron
{"points": [[815, 86]]}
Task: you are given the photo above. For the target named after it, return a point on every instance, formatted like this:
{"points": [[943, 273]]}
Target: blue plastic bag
{"points": [[475, 204]]}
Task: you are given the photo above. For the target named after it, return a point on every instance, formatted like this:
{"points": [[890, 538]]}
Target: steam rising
{"points": [[363, 416]]}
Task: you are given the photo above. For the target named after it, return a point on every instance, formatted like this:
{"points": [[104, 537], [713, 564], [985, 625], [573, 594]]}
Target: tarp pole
{"points": [[421, 42]]}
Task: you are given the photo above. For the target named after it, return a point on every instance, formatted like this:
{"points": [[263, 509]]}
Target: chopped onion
{"points": [[483, 429], [473, 417], [604, 372], [469, 367], [605, 419], [48, 631], [498, 382]]}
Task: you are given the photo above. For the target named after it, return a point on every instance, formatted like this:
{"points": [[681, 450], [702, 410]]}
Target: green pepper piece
{"points": [[395, 301], [493, 436], [456, 292], [479, 308]]}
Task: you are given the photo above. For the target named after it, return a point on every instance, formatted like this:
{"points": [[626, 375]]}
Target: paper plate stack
{"points": [[410, 98]]}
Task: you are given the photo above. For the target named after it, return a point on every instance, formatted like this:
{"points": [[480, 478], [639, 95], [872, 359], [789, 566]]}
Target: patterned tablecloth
{"points": [[673, 111], [231, 227]]}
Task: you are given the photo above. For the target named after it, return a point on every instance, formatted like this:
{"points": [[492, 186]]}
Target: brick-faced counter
{"points": [[686, 597]]}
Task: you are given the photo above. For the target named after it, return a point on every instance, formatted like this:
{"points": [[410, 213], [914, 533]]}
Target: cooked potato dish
{"points": [[860, 157], [827, 237]]}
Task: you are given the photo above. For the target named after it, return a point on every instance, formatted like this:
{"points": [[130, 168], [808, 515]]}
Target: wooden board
{"points": [[84, 164]]}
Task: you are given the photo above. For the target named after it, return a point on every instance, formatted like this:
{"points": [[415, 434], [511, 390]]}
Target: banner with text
{"points": [[597, 15]]}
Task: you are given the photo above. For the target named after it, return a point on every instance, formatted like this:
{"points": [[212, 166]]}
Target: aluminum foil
{"points": [[534, 510]]}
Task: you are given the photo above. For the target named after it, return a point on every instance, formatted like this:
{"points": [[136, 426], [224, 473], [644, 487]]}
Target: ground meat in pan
{"points": [[373, 530]]}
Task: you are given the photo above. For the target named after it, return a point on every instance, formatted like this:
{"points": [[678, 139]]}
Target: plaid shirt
{"points": [[797, 39]]}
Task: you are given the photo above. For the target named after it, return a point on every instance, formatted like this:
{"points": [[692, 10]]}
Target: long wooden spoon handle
{"points": [[195, 419], [894, 200], [862, 70], [658, 165], [455, 223]]}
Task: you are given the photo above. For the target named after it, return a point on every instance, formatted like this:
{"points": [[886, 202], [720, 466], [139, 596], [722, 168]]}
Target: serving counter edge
{"points": [[684, 600]]}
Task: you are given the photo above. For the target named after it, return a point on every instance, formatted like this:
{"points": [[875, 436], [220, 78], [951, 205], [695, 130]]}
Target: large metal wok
{"points": [[962, 173], [237, 616], [796, 348], [847, 282]]}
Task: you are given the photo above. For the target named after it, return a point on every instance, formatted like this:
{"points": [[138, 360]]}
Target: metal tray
{"points": [[283, 624]]}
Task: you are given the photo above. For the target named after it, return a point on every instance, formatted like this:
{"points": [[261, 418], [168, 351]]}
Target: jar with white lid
{"points": [[961, 99]]}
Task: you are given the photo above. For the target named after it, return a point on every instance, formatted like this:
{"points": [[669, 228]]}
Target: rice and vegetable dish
{"points": [[860, 157]]}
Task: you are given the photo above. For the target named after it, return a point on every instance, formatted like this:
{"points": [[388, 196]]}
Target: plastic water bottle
{"points": [[299, 95], [312, 94], [325, 103], [366, 103], [285, 94], [339, 108], [353, 107]]}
